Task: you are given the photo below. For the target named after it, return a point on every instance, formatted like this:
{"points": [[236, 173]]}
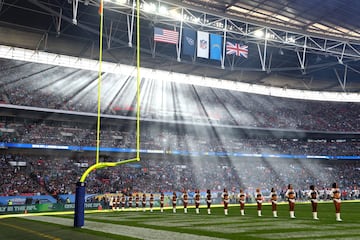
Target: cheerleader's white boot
{"points": [[338, 217]]}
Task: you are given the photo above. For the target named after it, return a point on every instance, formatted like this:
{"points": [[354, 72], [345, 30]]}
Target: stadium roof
{"points": [[311, 45]]}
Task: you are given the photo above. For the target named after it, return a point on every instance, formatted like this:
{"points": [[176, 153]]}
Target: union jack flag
{"points": [[237, 49]]}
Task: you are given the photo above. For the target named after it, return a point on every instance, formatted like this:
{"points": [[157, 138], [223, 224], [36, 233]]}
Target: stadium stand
{"points": [[218, 106]]}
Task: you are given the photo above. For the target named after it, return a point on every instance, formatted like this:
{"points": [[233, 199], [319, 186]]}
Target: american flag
{"points": [[237, 49], [166, 36]]}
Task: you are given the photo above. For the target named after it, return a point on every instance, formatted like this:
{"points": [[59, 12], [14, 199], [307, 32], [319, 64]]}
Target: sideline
{"points": [[2, 216], [35, 214]]}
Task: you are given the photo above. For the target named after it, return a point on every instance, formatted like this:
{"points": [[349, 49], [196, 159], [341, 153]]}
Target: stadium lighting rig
{"points": [[160, 75], [320, 40]]}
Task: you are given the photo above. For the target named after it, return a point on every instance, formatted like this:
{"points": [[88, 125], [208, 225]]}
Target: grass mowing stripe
{"points": [[134, 232], [37, 233], [334, 234], [232, 226]]}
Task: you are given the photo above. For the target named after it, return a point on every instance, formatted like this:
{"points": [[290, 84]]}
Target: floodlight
{"points": [[89, 64], [259, 33]]}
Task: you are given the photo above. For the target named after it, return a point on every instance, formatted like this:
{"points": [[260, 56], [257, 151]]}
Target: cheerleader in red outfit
{"points": [[241, 198], [208, 201], [130, 200], [259, 200], [225, 197], [313, 195], [123, 201], [151, 202], [290, 195], [336, 196], [112, 202], [174, 198], [197, 201], [137, 201], [162, 197], [143, 202], [273, 197], [185, 199]]}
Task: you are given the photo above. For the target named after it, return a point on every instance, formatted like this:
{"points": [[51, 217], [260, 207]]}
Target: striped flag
{"points": [[166, 36], [237, 49]]}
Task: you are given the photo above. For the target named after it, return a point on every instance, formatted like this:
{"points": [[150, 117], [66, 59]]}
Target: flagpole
{"points": [[180, 38], [224, 47], [153, 51], [232, 62]]}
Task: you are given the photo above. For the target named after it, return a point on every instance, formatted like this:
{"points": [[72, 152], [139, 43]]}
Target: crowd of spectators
{"points": [[44, 86], [51, 174], [17, 180], [72, 90], [169, 139]]}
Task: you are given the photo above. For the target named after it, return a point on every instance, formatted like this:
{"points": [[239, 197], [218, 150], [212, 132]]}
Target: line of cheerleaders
{"points": [[290, 196]]}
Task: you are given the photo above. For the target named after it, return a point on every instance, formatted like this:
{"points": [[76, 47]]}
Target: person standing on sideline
{"points": [[174, 198], [274, 197], [137, 200], [123, 201], [290, 195], [130, 200], [208, 201], [143, 202], [162, 197], [225, 197], [151, 202], [185, 199], [313, 195], [241, 198], [336, 196], [197, 201], [259, 200], [112, 203]]}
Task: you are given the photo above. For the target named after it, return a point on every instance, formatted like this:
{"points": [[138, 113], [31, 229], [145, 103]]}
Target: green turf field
{"points": [[156, 225]]}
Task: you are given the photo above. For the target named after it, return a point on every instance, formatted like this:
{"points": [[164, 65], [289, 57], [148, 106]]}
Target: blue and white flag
{"points": [[188, 42], [202, 44], [215, 47]]}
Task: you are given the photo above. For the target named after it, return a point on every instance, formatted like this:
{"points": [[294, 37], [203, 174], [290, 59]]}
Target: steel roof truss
{"points": [[303, 56], [343, 81], [75, 4], [131, 23]]}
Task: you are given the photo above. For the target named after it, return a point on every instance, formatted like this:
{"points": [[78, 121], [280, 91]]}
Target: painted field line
{"points": [[27, 230], [331, 234], [135, 232]]}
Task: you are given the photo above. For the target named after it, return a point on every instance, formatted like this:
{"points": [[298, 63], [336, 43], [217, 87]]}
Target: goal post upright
{"points": [[79, 214]]}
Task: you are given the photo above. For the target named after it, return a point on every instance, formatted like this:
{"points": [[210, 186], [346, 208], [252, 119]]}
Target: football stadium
{"points": [[179, 119]]}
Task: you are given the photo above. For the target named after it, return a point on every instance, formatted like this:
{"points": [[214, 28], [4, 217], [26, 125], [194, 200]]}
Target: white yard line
{"points": [[333, 234], [135, 232]]}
